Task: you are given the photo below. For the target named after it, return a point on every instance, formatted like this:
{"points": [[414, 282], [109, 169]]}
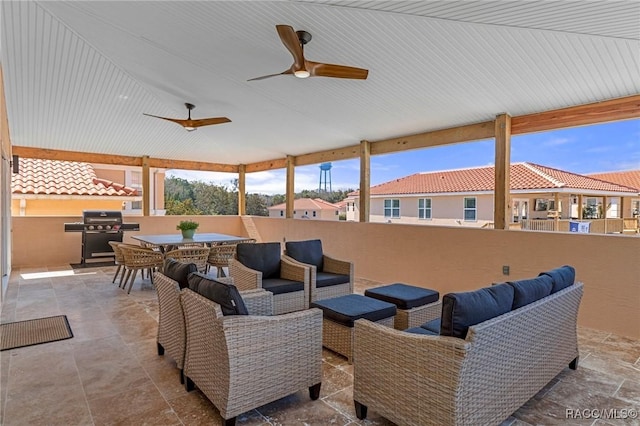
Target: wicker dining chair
{"points": [[139, 259], [119, 260], [220, 254], [197, 255]]}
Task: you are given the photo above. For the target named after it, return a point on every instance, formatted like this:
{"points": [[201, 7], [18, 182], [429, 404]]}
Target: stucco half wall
{"points": [[444, 258]]}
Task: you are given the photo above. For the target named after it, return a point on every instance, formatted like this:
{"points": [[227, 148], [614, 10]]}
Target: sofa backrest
{"points": [[309, 252], [178, 271], [262, 257], [562, 277], [529, 290], [225, 295]]}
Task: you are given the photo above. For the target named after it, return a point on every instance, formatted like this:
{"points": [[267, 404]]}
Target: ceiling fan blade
{"points": [[271, 75], [175, 120], [317, 69], [206, 121], [292, 43]]}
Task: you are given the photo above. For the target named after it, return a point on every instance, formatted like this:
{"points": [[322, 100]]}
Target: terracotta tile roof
{"points": [[52, 177], [630, 178], [524, 176], [307, 204]]}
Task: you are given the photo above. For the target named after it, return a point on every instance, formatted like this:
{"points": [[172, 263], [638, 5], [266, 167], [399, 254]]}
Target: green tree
{"points": [[257, 205], [176, 207]]}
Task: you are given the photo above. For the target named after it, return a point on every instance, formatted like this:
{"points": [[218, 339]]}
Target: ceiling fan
{"points": [[294, 41], [191, 125]]}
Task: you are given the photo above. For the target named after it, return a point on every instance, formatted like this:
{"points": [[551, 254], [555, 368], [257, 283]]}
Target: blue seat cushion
{"points": [[281, 285], [326, 279], [309, 252], [433, 325], [178, 271], [528, 291], [262, 257], [346, 309], [462, 310], [403, 296], [420, 330], [562, 277], [225, 295]]}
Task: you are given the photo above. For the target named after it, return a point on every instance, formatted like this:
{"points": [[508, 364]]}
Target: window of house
{"points": [[392, 208], [591, 209], [424, 208], [314, 213], [136, 182], [337, 213], [470, 210], [635, 208]]}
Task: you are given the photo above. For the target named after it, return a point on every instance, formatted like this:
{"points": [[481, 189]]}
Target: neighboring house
{"points": [[630, 178], [66, 188], [465, 196], [308, 208]]}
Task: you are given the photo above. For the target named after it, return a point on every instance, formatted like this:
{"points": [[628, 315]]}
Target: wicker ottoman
{"points": [[416, 305], [339, 313]]}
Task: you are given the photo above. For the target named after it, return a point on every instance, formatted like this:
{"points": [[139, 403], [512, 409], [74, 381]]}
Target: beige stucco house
{"points": [[308, 208], [464, 197], [66, 188]]}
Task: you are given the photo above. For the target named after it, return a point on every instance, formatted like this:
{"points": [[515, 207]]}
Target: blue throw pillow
{"points": [[462, 310], [309, 252], [562, 277], [263, 257], [178, 271], [528, 291], [225, 295]]}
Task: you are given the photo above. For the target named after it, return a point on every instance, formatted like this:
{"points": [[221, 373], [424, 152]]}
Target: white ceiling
{"points": [[79, 74]]}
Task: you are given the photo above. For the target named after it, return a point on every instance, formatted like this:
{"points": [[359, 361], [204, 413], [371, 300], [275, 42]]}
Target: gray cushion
{"points": [[346, 309], [404, 296], [225, 295], [326, 279], [528, 291], [262, 257], [462, 310], [178, 271], [309, 252], [281, 285], [562, 277]]}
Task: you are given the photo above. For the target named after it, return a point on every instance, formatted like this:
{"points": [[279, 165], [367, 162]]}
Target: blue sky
{"points": [[587, 149]]}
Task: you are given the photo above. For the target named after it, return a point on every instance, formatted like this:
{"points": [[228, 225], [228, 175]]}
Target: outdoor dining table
{"points": [[165, 241]]}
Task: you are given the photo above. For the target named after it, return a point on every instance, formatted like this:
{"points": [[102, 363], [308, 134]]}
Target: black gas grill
{"points": [[98, 227]]}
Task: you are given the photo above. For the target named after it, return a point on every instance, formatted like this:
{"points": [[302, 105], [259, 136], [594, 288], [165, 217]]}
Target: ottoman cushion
{"points": [[346, 309], [404, 296]]}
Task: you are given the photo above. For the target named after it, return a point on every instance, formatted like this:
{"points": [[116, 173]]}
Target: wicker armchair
{"points": [[139, 259], [197, 255], [260, 265], [171, 326], [329, 277], [220, 254], [242, 362]]}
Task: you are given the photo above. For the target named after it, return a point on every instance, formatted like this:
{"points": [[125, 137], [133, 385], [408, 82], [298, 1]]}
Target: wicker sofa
{"points": [[481, 379]]}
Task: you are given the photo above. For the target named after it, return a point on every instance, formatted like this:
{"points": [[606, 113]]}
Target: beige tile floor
{"points": [[110, 373]]}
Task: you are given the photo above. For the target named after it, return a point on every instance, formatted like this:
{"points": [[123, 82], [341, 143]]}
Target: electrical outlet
{"points": [[505, 270]]}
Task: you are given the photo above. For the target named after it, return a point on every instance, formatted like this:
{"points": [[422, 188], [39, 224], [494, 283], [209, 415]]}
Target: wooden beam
{"points": [[365, 180], [279, 163], [120, 160], [242, 200], [501, 214], [146, 187], [86, 157], [290, 195], [345, 153], [581, 115], [471, 132]]}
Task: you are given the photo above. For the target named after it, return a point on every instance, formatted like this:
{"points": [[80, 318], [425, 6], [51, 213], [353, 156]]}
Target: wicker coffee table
{"points": [[339, 314], [416, 305]]}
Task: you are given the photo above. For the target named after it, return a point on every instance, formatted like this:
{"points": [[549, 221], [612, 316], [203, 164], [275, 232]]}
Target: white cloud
{"points": [[556, 141]]}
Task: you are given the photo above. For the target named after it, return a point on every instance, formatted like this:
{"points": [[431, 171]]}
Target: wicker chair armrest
{"points": [[258, 302], [336, 266], [244, 278], [293, 270]]}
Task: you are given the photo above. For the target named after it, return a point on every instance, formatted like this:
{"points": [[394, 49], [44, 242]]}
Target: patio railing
{"points": [[596, 226]]}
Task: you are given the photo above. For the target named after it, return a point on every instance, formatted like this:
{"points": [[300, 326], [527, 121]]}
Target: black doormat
{"points": [[92, 265], [34, 332]]}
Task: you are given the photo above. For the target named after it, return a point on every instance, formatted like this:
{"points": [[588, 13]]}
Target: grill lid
{"points": [[102, 216]]}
